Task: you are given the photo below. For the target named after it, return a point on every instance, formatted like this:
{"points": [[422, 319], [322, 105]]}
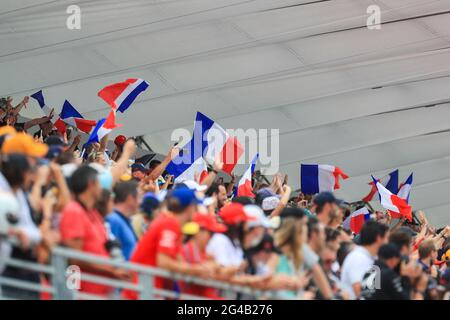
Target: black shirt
{"points": [[391, 285]]}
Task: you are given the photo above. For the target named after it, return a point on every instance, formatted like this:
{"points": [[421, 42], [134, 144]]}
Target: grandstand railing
{"points": [[59, 287]]}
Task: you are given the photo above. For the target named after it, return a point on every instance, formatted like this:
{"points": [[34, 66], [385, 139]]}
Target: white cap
{"points": [[191, 184], [260, 219], [270, 203]]}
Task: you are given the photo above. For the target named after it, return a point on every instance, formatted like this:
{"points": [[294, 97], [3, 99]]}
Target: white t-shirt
{"points": [[355, 265], [224, 251]]}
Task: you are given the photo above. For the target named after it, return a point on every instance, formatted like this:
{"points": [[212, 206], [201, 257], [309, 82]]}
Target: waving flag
{"points": [[396, 206], [39, 97], [356, 220], [69, 115], [121, 95], [103, 127], [405, 188], [190, 162], [244, 187], [219, 144], [317, 178], [209, 141], [390, 181]]}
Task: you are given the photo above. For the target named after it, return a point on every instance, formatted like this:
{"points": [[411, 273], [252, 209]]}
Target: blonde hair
{"points": [[290, 235]]}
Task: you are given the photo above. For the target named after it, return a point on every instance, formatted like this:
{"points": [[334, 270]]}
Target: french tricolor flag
{"points": [[69, 115], [390, 181], [244, 187], [397, 207], [357, 219], [209, 141], [39, 97], [219, 144], [317, 178], [104, 126], [121, 95], [405, 188]]}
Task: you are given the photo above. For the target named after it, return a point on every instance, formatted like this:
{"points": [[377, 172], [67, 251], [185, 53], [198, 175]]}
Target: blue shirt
{"points": [[121, 228]]}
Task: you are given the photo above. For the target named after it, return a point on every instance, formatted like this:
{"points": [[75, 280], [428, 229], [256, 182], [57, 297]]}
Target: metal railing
{"points": [[60, 289]]}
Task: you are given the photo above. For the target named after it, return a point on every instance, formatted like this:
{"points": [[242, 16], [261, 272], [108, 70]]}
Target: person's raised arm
{"points": [[76, 141], [35, 122], [19, 107], [283, 201], [174, 151], [230, 186], [217, 167], [322, 283], [63, 189], [121, 165]]}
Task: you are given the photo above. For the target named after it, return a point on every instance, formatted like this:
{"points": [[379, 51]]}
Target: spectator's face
{"points": [[221, 196], [138, 175], [318, 237], [202, 237], [328, 257], [253, 236], [100, 159], [382, 240], [132, 203], [46, 127], [95, 190], [393, 262]]}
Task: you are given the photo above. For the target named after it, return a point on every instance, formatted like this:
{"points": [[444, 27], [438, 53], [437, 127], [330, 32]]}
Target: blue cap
{"points": [[185, 196], [149, 203], [139, 167]]}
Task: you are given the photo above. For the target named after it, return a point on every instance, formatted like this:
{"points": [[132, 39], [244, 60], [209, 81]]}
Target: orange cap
{"points": [[7, 130], [24, 144]]}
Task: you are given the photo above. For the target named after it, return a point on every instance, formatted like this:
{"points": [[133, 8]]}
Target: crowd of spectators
{"points": [[103, 202]]}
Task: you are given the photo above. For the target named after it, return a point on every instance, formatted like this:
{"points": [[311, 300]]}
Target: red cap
{"points": [[234, 213], [208, 222], [120, 140]]}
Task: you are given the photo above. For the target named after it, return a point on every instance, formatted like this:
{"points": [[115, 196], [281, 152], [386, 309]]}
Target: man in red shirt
{"points": [[162, 243], [82, 228]]}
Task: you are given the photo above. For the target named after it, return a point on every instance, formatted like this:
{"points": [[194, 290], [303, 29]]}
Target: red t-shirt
{"points": [[163, 236], [78, 223], [193, 255]]}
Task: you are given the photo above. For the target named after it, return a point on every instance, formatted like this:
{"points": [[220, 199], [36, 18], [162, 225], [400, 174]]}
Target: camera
{"points": [[9, 208]]}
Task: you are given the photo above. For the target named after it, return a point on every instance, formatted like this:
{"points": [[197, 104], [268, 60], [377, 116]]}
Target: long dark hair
{"points": [[236, 232]]}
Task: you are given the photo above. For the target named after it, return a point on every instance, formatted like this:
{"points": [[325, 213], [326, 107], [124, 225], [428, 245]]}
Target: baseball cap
{"points": [[243, 200], [326, 197], [260, 218], [54, 151], [410, 232], [292, 212], [55, 140], [191, 184], [234, 213], [185, 197], [24, 144], [149, 203], [265, 192], [270, 203], [138, 167], [266, 244], [6, 131], [209, 222]]}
